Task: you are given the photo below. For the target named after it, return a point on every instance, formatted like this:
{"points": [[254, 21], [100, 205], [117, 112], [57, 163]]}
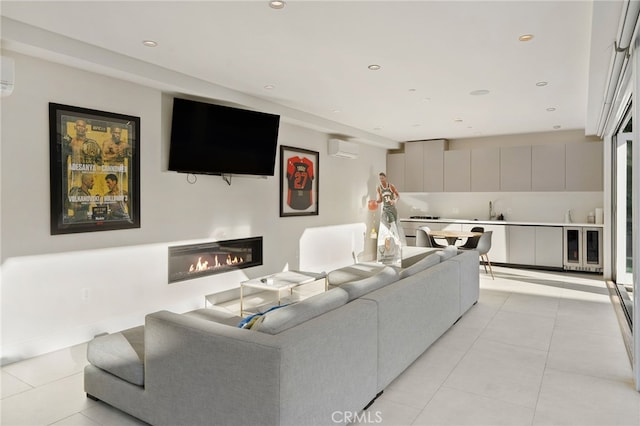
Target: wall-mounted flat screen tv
{"points": [[215, 139]]}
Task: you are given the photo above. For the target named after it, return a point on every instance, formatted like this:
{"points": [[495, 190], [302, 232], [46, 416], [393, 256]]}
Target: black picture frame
{"points": [[94, 167], [299, 181]]}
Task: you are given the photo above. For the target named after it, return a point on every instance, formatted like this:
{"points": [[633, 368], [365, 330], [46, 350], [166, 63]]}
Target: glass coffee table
{"points": [[279, 282]]}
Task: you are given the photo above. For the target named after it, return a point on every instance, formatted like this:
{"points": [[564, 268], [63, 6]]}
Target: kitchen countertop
{"points": [[502, 222]]}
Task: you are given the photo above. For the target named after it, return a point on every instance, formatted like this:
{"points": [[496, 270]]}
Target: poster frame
{"points": [[75, 168], [287, 153]]}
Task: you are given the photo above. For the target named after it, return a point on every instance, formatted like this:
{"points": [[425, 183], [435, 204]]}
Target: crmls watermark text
{"points": [[363, 417]]}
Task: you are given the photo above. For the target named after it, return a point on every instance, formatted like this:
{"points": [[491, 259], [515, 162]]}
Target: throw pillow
{"points": [[249, 321]]}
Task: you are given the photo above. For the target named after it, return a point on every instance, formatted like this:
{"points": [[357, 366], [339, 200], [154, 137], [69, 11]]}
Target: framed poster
{"points": [[299, 182], [94, 169]]}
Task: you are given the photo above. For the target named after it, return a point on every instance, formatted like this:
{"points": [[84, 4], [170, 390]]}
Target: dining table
{"points": [[452, 236]]}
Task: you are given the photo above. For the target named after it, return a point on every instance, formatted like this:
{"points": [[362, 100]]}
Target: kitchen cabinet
{"points": [[548, 167], [522, 245], [531, 245], [535, 246], [485, 170], [395, 170], [414, 166], [427, 166], [515, 168], [457, 171], [423, 165], [549, 248], [584, 168], [433, 165]]}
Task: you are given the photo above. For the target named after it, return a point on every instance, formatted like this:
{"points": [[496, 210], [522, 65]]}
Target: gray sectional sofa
{"points": [[299, 364]]}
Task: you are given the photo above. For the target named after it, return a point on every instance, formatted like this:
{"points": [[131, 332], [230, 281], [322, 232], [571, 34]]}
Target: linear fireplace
{"points": [[198, 260]]}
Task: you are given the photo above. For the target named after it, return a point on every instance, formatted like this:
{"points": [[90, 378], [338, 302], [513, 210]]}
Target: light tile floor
{"points": [[539, 348]]}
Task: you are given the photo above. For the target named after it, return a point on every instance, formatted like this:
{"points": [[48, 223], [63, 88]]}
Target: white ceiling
{"points": [[315, 54]]}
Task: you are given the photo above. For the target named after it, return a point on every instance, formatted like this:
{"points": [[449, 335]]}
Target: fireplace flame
{"points": [[200, 266], [203, 266]]}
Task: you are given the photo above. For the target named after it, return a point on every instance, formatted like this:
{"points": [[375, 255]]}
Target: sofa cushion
{"points": [[421, 265], [412, 254], [361, 287], [290, 316], [448, 253], [353, 273], [121, 354], [216, 314]]}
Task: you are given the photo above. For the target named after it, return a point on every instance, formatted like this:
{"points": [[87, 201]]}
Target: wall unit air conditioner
{"points": [[6, 75], [343, 149]]}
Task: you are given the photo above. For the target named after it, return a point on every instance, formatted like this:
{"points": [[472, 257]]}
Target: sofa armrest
{"points": [[469, 278], [201, 372]]}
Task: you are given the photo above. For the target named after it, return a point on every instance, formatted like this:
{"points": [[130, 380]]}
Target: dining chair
{"points": [[424, 238], [483, 247], [472, 242]]}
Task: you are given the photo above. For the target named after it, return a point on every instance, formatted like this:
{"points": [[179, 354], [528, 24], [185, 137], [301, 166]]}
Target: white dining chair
{"points": [[483, 247], [424, 238]]}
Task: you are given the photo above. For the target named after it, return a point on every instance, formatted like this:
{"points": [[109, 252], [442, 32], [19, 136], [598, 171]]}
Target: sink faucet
{"points": [[492, 214]]}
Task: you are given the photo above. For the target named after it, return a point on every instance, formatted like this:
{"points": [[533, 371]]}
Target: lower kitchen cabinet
{"points": [[522, 245], [535, 246], [549, 249], [529, 245]]}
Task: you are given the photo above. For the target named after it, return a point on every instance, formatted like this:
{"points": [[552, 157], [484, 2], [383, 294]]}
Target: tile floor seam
{"points": [[31, 387], [546, 366], [591, 376], [489, 397], [488, 339]]}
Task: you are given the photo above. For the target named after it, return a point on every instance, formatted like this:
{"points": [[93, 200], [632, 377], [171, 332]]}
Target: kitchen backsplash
{"points": [[515, 206]]}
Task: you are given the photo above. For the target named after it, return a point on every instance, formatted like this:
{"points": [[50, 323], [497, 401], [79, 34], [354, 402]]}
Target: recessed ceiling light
{"points": [[377, 128], [557, 126], [336, 111], [457, 120], [526, 37], [412, 90], [149, 43], [479, 92], [276, 4], [269, 87], [374, 67], [551, 109], [541, 83]]}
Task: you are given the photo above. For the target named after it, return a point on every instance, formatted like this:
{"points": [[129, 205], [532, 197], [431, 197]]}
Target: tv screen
{"points": [[215, 139]]}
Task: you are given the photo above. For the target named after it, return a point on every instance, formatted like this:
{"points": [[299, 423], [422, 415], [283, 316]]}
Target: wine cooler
{"points": [[583, 248]]}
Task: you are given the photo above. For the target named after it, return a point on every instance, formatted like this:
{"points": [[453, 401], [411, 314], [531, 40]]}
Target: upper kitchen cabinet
{"points": [[548, 167], [433, 161], [584, 171], [515, 168], [414, 168], [424, 165], [457, 171], [395, 169], [485, 170]]}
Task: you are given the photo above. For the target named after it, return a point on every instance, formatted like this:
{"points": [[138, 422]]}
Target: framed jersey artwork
{"points": [[299, 181], [94, 170]]}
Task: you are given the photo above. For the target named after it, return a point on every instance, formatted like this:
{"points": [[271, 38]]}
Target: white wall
{"points": [[61, 290]]}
